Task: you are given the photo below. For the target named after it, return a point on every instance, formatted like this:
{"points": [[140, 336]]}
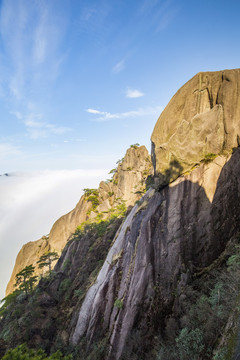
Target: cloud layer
{"points": [[31, 202]]}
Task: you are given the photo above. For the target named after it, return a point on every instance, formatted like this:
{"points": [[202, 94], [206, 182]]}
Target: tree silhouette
{"points": [[25, 279], [47, 259]]}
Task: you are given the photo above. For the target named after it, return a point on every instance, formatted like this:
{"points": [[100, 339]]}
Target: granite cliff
{"points": [[161, 283], [202, 118], [180, 230], [124, 188]]}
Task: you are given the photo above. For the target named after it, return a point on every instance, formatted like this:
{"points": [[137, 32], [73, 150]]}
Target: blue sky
{"points": [[80, 81]]}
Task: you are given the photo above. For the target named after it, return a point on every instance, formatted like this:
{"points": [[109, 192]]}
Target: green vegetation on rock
{"points": [[25, 279], [92, 195], [209, 158], [211, 301], [47, 259], [22, 352], [118, 303], [134, 146]]}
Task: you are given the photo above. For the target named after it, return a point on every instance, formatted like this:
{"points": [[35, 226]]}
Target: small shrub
{"points": [[208, 158], [149, 182], [89, 192], [65, 285], [134, 146], [190, 344], [66, 265], [220, 354], [119, 161], [118, 303], [22, 352], [113, 171], [78, 293]]}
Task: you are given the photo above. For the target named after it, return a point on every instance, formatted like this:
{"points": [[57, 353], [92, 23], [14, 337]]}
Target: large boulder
{"points": [[200, 121]]}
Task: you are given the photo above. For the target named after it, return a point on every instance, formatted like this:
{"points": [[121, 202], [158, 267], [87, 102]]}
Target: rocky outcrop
{"points": [[120, 289], [124, 189], [201, 119], [176, 231], [170, 236]]}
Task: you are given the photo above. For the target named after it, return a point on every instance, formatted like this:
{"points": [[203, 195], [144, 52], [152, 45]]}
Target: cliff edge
{"points": [[124, 188], [161, 282]]}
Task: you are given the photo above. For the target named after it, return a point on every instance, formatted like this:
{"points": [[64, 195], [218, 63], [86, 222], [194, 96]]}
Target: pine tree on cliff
{"points": [[24, 279], [47, 259]]}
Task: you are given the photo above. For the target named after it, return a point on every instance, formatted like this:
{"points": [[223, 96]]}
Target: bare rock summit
{"points": [[200, 121], [121, 191]]}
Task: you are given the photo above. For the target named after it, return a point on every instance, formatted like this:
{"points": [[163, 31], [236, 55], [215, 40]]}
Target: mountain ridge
{"points": [[125, 187], [161, 282]]}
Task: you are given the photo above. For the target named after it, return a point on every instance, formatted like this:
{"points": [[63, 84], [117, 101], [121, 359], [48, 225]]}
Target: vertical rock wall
{"points": [[125, 187]]}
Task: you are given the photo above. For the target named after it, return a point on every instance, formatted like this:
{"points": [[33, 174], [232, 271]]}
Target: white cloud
{"points": [[31, 202], [133, 93], [38, 129], [31, 33], [93, 111], [118, 67], [128, 114]]}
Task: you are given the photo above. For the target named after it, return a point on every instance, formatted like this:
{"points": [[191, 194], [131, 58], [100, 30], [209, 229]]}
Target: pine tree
{"points": [[25, 279], [47, 259]]}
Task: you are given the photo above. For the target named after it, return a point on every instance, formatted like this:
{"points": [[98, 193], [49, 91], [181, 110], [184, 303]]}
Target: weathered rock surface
{"points": [[179, 230], [173, 234], [125, 187], [202, 118]]}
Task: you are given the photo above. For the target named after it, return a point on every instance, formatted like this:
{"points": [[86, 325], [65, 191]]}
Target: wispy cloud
{"points": [[31, 33], [93, 111], [18, 115], [38, 129], [133, 93], [106, 116], [118, 67], [162, 13], [40, 40]]}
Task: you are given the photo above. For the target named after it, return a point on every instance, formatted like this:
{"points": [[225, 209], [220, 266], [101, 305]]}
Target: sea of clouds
{"points": [[30, 204]]}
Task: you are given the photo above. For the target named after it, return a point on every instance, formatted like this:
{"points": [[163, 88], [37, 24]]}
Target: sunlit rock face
{"points": [[202, 118], [175, 233], [167, 238], [177, 230], [125, 187]]}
